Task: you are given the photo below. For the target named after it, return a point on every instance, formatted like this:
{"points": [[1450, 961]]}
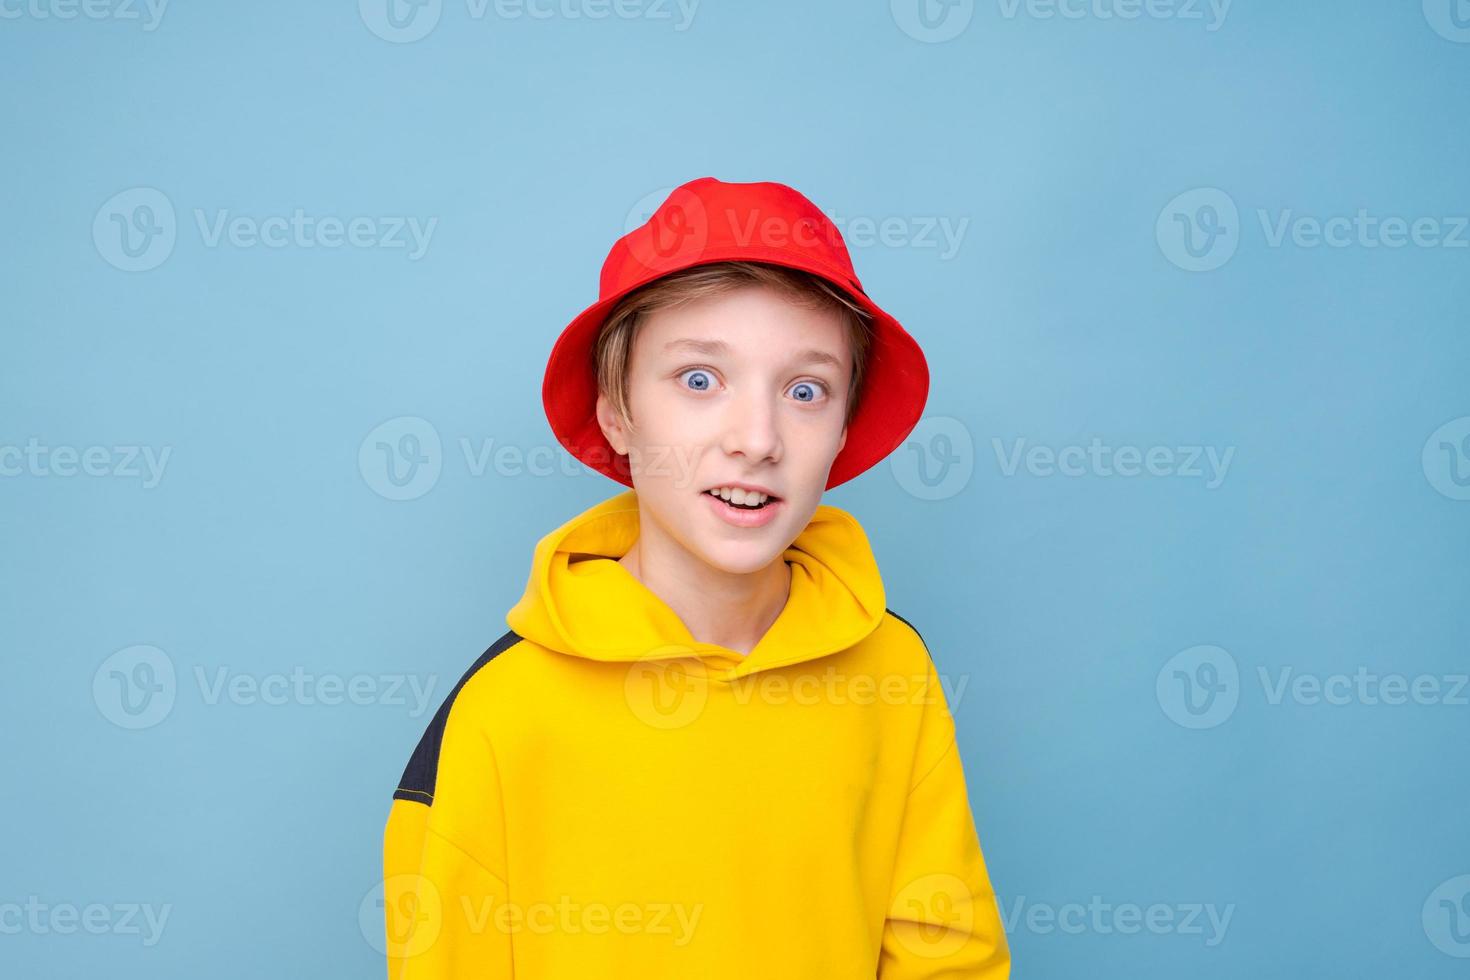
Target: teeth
{"points": [[739, 497]]}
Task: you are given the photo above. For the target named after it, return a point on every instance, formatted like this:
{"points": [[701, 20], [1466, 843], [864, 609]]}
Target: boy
{"points": [[704, 748]]}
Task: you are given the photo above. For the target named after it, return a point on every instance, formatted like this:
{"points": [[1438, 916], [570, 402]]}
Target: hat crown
{"points": [[710, 220]]}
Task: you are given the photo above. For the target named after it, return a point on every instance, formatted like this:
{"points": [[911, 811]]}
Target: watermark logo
{"points": [[668, 688], [1449, 18], [135, 230], [681, 229], [135, 687], [1199, 230], [1446, 459], [642, 210], [937, 459], [1199, 687], [1446, 917], [400, 21], [401, 916], [933, 915], [932, 21], [402, 458]]}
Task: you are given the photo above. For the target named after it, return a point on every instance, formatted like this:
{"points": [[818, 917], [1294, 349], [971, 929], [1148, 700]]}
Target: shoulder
{"points": [[466, 697], [901, 638], [895, 647], [891, 616]]}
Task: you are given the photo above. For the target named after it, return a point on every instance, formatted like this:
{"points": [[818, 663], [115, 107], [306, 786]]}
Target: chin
{"points": [[741, 552], [741, 559]]}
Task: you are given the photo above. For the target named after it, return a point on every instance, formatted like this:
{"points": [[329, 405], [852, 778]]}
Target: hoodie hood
{"points": [[598, 610]]}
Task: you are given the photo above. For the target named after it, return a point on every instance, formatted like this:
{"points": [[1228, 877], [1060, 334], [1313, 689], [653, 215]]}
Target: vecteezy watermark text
{"points": [[1102, 918], [1207, 463], [406, 21], [148, 13], [405, 915], [687, 227], [143, 463], [1210, 13], [40, 918], [936, 21], [670, 688]]}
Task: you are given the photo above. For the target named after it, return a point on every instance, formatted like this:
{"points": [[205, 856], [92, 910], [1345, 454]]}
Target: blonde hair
{"points": [[614, 347]]}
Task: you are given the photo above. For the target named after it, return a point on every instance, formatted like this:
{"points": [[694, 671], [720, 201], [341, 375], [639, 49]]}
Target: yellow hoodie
{"points": [[603, 796]]}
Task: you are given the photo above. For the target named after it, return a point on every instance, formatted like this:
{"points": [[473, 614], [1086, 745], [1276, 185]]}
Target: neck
{"points": [[728, 609]]}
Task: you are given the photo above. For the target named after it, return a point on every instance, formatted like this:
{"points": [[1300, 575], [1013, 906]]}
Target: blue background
{"points": [[268, 548]]}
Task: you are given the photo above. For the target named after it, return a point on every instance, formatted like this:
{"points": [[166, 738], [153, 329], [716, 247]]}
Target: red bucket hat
{"points": [[708, 220]]}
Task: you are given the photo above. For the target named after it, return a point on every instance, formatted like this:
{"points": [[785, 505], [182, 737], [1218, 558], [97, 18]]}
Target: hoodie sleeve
{"points": [[444, 881], [943, 920]]}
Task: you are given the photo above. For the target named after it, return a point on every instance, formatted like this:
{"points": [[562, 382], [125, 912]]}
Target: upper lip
{"points": [[747, 487]]}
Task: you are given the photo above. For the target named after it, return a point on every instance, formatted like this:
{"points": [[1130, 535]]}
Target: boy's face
{"points": [[741, 388]]}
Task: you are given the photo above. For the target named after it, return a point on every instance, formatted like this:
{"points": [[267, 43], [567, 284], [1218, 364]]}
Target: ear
{"points": [[611, 425], [843, 440]]}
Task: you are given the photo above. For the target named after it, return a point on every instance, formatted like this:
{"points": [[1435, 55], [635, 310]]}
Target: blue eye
{"points": [[806, 391], [700, 384]]}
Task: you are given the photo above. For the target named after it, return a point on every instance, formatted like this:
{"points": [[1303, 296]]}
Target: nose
{"points": [[751, 429]]}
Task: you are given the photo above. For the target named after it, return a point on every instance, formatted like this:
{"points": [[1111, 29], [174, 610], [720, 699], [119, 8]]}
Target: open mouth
{"points": [[742, 499]]}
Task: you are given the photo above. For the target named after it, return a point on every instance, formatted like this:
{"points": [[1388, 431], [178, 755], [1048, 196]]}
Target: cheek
{"points": [[665, 415], [818, 435], [652, 409]]}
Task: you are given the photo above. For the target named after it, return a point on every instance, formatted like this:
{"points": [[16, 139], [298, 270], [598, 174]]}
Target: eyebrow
{"points": [[718, 348]]}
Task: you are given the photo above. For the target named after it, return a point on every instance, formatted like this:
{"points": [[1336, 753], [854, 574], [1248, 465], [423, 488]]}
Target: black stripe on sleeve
{"points": [[912, 627], [422, 770]]}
